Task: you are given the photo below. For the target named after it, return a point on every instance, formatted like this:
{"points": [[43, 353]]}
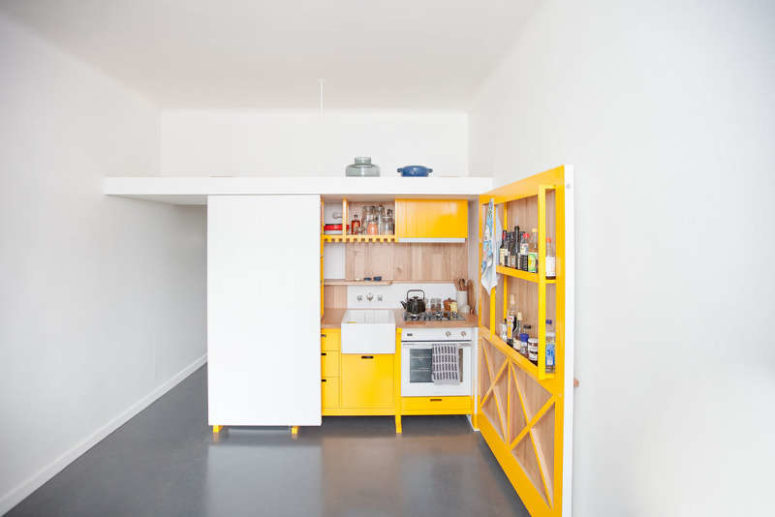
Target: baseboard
{"points": [[28, 486]]}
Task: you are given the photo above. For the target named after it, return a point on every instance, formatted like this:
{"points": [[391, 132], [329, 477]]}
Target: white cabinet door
{"points": [[263, 310]]}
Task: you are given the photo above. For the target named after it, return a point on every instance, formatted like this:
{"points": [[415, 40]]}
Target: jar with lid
{"points": [[532, 350], [381, 220], [370, 220], [390, 225]]}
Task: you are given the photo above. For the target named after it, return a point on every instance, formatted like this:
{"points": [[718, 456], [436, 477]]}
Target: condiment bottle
{"points": [[523, 251], [550, 347], [523, 337], [511, 318], [355, 225], [532, 255]]}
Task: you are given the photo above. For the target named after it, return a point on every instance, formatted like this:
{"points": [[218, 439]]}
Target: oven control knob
{"points": [[463, 333], [448, 333]]}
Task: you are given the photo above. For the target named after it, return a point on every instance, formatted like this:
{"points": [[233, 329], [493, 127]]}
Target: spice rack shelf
{"points": [[523, 275], [356, 282], [523, 362], [358, 238]]}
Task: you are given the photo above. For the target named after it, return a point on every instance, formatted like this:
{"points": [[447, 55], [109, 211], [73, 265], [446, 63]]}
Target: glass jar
{"points": [[362, 167], [381, 219], [370, 221], [390, 225]]}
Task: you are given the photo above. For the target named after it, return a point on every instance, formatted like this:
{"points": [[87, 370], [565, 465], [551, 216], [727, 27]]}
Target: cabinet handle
{"points": [[323, 353], [435, 400], [322, 380], [323, 335], [367, 357]]}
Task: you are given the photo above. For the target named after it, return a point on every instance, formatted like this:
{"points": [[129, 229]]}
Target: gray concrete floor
{"points": [[165, 461]]}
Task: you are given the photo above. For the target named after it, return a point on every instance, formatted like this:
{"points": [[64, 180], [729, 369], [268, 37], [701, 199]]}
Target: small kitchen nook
{"points": [[393, 298]]}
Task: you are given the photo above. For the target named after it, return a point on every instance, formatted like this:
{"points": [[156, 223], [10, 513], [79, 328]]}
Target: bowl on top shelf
{"points": [[414, 171]]}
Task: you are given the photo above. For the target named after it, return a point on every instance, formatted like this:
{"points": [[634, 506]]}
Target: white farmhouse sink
{"points": [[368, 331]]}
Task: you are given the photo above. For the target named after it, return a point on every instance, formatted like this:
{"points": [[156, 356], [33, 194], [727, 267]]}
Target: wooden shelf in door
{"points": [[524, 275], [358, 238]]}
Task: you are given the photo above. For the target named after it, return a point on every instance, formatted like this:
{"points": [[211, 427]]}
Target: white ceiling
{"points": [[429, 54]]}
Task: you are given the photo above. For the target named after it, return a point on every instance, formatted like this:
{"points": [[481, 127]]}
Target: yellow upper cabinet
{"points": [[431, 219]]}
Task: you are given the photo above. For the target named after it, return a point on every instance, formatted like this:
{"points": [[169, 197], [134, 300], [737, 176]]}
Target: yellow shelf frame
{"points": [[523, 275], [530, 493]]}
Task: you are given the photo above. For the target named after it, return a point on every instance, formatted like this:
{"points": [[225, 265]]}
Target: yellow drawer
{"points": [[329, 363], [329, 388], [436, 405], [330, 339], [367, 380]]}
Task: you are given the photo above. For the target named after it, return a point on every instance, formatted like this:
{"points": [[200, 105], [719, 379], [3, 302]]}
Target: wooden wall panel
{"points": [[335, 296], [414, 262]]}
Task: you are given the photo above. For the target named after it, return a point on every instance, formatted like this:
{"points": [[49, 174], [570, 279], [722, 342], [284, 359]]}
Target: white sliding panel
{"points": [[263, 310]]}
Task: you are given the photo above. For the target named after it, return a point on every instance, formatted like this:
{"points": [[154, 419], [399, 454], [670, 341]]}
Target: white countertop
{"points": [[194, 190]]}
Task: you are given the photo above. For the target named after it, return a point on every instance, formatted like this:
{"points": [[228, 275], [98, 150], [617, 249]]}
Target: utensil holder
{"points": [[461, 298]]}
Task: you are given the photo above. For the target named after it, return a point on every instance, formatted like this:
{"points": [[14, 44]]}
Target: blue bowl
{"points": [[414, 171]]}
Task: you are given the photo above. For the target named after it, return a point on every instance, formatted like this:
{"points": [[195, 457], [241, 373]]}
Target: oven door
{"points": [[416, 380]]}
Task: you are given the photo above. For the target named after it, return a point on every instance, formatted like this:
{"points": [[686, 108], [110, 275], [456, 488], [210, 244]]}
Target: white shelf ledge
{"points": [[194, 190]]}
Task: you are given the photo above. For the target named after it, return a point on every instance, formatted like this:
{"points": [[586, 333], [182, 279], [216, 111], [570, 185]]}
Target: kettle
{"points": [[415, 304]]}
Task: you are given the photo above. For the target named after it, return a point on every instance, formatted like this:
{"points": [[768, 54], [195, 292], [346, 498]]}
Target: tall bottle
{"points": [[550, 260], [510, 319], [518, 325], [504, 250], [532, 254], [514, 251]]}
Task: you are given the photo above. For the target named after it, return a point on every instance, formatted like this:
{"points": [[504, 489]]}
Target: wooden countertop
{"points": [[332, 318]]}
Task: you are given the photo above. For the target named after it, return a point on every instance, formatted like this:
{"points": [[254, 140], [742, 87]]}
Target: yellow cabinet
{"points": [[367, 381], [329, 363], [329, 387], [431, 219], [330, 339]]}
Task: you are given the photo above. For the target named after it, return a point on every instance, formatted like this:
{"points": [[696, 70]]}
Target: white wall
{"points": [[666, 111], [102, 302], [245, 142]]}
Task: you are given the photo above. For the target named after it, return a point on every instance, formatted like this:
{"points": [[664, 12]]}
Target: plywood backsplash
{"points": [[415, 262]]}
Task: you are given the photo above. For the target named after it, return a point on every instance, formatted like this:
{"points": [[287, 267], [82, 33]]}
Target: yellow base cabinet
{"points": [[329, 363], [431, 219], [330, 339], [330, 343], [329, 387], [367, 381], [436, 405]]}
